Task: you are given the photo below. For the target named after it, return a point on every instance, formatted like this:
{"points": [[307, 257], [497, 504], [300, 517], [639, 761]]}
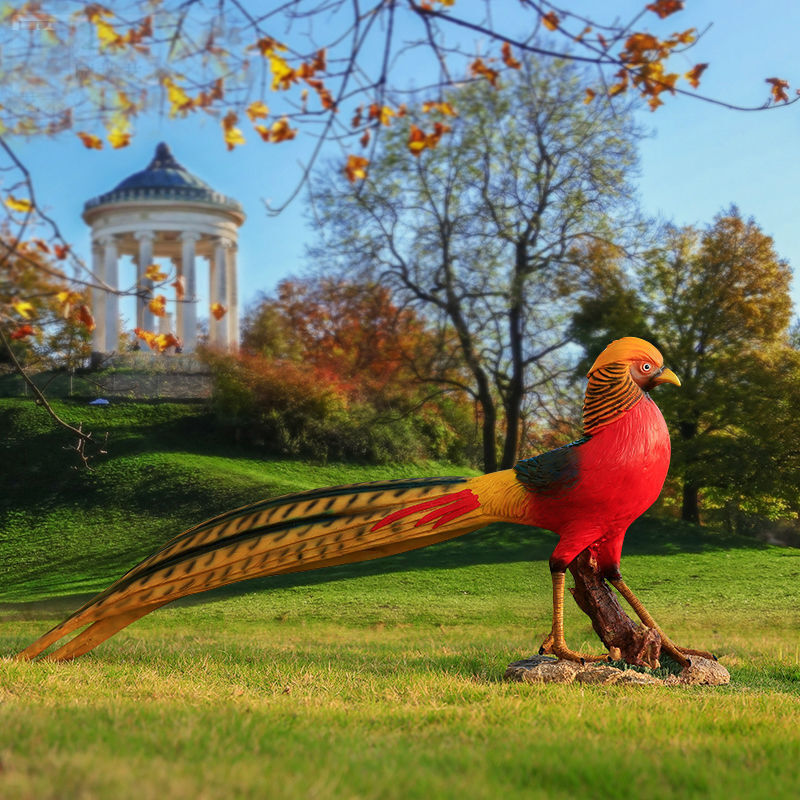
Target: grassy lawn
{"points": [[378, 680]]}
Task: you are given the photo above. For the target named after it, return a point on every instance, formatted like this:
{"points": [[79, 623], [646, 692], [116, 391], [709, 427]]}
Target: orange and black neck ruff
{"points": [[610, 393]]}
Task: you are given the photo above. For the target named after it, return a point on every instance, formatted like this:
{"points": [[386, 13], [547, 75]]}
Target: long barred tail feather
{"points": [[305, 531]]}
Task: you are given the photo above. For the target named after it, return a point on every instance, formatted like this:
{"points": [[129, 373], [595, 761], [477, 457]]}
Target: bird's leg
{"points": [[678, 653], [555, 642]]}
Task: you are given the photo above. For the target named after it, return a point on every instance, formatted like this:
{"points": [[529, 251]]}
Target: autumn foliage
{"points": [[329, 370]]}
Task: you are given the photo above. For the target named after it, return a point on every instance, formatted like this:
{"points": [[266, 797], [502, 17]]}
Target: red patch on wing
{"points": [[447, 507]]}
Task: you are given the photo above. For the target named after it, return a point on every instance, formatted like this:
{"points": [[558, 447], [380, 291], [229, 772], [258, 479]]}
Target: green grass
{"points": [[378, 680]]}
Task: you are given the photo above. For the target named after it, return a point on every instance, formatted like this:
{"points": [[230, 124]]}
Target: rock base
{"points": [[547, 669]]}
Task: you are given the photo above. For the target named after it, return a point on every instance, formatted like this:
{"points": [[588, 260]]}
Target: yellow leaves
{"points": [[67, 299], [90, 141], [218, 311], [21, 204], [590, 95], [550, 21], [693, 75], [180, 103], [158, 305], [257, 110], [778, 89], [382, 113], [356, 168], [154, 273], [283, 76], [118, 137], [418, 140], [441, 107], [24, 308], [157, 341], [109, 37], [233, 136]]}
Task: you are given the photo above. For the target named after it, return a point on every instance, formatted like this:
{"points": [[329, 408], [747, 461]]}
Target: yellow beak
{"points": [[666, 376]]}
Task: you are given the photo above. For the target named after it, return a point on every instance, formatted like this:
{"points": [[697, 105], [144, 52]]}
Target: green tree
{"points": [[715, 301], [478, 233]]}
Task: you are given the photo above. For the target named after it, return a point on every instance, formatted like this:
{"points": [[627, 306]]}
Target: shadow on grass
{"points": [[497, 544]]}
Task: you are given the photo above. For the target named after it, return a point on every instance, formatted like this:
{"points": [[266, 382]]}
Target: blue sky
{"points": [[699, 159]]}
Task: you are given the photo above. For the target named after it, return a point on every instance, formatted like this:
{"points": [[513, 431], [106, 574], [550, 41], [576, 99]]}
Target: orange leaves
{"points": [[778, 90], [90, 141], [643, 59], [665, 7], [356, 168], [508, 58], [693, 75], [284, 76], [218, 311], [85, 317], [418, 140], [479, 69], [550, 21], [590, 95], [280, 131], [179, 284], [22, 332]]}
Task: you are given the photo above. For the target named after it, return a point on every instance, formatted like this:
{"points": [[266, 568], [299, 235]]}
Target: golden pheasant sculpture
{"points": [[588, 492]]}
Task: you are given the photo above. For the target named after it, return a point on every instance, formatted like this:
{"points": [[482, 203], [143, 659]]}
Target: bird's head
{"points": [[645, 362]]}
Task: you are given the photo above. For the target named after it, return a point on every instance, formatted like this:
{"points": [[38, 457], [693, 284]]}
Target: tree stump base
{"points": [[547, 669]]}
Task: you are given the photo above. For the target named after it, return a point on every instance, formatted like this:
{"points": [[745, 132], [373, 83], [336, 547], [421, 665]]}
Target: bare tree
{"points": [[480, 232]]}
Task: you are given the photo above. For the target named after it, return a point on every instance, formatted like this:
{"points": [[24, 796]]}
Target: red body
{"points": [[621, 472]]}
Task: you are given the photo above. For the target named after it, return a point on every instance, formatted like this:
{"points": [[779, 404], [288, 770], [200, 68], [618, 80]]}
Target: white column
{"points": [[110, 257], [233, 298], [187, 329], [218, 329], [144, 316], [98, 298]]}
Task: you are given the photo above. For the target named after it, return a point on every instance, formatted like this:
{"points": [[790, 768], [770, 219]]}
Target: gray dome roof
{"points": [[163, 179]]}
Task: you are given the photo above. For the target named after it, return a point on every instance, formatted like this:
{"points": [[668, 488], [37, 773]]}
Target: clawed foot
{"points": [[551, 647]]}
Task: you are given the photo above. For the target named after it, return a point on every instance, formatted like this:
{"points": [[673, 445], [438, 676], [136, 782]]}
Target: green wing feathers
{"points": [[293, 533]]}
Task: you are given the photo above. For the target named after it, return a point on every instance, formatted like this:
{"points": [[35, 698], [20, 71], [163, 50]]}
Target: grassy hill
{"points": [[376, 680]]}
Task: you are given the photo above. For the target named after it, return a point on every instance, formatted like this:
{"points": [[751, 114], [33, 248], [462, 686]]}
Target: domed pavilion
{"points": [[164, 211]]}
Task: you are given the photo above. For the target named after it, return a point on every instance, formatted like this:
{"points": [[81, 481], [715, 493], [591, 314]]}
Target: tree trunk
{"points": [[624, 638], [690, 509], [488, 431]]}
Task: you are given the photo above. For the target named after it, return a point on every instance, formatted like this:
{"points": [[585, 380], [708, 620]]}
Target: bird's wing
{"points": [[298, 532], [553, 472]]}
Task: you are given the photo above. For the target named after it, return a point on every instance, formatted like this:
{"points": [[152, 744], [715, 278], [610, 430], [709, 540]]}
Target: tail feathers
{"points": [[293, 533]]}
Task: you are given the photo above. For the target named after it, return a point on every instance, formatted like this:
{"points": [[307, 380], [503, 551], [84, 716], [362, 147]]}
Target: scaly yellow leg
{"points": [[555, 642]]}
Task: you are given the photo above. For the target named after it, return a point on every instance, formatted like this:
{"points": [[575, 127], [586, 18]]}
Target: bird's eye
{"points": [[646, 367]]}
